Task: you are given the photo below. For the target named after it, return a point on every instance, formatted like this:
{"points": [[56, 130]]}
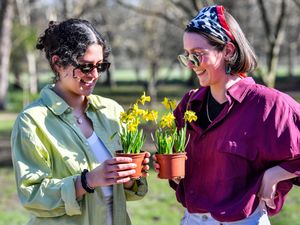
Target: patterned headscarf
{"points": [[211, 20]]}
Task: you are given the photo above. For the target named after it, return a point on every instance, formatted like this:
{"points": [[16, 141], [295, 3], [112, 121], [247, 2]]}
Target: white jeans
{"points": [[258, 217]]}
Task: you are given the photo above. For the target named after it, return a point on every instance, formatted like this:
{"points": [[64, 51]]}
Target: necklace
{"points": [[78, 118], [207, 113]]}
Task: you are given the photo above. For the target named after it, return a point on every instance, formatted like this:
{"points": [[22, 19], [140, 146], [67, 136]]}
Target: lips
{"points": [[87, 83], [200, 72]]}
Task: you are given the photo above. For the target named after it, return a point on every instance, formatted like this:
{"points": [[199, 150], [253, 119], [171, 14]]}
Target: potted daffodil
{"points": [[131, 134], [170, 142]]}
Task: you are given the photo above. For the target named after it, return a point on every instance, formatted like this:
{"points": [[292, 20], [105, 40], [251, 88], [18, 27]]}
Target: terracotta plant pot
{"points": [[137, 158], [171, 165]]}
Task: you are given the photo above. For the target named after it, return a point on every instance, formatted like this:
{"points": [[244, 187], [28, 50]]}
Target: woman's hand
{"points": [[271, 177], [268, 189], [146, 164], [145, 169], [157, 167], [112, 171]]}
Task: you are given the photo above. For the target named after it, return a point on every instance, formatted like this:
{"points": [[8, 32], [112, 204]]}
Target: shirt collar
{"points": [[237, 91], [58, 106]]}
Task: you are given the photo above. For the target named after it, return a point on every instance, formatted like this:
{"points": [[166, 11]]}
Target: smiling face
{"points": [[73, 82], [211, 71]]}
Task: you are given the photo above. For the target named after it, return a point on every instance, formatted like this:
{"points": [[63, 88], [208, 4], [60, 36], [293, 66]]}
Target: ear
{"points": [[55, 63], [229, 51], [54, 59]]}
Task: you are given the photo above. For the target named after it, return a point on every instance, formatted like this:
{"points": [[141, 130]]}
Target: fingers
{"points": [[269, 202]]}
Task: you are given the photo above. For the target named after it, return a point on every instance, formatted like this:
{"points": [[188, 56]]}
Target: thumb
{"points": [[271, 204]]}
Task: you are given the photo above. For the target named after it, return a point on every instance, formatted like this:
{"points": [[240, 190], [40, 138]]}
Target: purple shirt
{"points": [[257, 129]]}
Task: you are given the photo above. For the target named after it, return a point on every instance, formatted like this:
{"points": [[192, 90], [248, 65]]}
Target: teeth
{"points": [[87, 82]]}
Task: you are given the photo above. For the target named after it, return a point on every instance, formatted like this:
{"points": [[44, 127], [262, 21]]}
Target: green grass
{"points": [[158, 207]]}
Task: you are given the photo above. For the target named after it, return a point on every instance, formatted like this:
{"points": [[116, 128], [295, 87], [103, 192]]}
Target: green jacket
{"points": [[49, 152]]}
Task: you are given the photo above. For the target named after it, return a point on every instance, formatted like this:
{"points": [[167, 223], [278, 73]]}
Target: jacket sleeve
{"points": [[40, 192], [138, 190], [282, 123]]}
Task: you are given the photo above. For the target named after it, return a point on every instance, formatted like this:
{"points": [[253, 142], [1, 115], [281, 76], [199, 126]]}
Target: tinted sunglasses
{"points": [[88, 67], [195, 59]]}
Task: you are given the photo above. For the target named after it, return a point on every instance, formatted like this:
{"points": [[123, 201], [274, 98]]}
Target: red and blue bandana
{"points": [[211, 20]]}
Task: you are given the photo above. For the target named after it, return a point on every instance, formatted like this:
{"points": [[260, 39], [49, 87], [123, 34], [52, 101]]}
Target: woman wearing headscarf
{"points": [[243, 155]]}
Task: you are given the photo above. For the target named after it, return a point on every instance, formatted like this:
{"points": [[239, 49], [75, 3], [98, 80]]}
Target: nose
{"points": [[94, 73], [190, 65]]}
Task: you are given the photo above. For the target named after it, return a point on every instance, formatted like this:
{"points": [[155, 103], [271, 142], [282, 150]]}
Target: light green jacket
{"points": [[49, 152]]}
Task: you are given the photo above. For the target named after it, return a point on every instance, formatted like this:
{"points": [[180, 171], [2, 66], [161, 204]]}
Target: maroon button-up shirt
{"points": [[257, 129]]}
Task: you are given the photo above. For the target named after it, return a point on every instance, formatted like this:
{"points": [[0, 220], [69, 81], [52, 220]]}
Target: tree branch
{"points": [[266, 22], [150, 13], [297, 3], [184, 8], [281, 19]]}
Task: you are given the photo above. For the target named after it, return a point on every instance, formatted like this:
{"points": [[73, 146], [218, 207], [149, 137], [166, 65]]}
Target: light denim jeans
{"points": [[258, 217]]}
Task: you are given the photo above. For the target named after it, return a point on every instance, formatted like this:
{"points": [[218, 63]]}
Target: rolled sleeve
{"points": [[138, 190], [68, 195]]}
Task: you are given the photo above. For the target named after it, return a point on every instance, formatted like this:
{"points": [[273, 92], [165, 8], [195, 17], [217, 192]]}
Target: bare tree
{"points": [[24, 15], [6, 16], [275, 36], [293, 30]]}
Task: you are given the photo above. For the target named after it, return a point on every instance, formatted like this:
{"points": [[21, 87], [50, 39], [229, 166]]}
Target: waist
{"points": [[208, 217], [259, 214]]}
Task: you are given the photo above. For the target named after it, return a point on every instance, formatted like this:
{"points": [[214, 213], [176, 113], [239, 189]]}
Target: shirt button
{"points": [[86, 143], [204, 217]]}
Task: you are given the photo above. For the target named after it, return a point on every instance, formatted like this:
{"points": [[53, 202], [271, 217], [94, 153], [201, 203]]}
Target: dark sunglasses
{"points": [[88, 67], [195, 59]]}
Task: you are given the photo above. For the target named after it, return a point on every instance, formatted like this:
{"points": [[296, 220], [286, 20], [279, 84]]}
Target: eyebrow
{"points": [[197, 48], [88, 62]]}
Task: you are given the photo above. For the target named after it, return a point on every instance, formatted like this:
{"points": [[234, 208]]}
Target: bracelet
{"points": [[84, 182]]}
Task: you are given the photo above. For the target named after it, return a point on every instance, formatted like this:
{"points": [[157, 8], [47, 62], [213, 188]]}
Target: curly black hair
{"points": [[69, 40]]}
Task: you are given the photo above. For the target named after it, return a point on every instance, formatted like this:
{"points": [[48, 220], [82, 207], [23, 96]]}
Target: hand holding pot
{"points": [[173, 170], [112, 171]]}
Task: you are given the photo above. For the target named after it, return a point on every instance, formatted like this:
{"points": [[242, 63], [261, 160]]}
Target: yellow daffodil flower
{"points": [[150, 116], [190, 116], [144, 99], [167, 120], [169, 104]]}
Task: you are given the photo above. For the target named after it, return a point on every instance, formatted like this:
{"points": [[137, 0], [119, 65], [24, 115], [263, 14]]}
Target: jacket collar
{"points": [[58, 106], [238, 91]]}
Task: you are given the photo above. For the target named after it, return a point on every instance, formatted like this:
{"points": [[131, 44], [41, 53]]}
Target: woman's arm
{"points": [[270, 180]]}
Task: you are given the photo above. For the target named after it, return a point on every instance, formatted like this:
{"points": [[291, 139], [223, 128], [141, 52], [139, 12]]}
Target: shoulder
{"points": [[28, 120], [33, 110], [273, 103], [273, 96], [105, 104]]}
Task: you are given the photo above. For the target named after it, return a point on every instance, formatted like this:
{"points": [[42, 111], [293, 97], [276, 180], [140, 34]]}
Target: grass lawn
{"points": [[159, 207]]}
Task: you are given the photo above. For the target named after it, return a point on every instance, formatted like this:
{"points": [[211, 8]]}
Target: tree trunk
{"points": [[25, 18], [6, 15], [292, 59], [110, 81], [275, 40], [33, 78], [151, 86]]}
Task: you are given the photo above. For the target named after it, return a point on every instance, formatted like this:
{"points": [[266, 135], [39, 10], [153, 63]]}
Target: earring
{"points": [[227, 69]]}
